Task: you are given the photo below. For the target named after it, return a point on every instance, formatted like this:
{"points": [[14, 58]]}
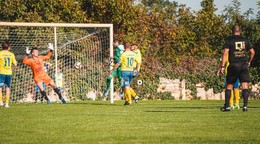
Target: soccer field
{"points": [[145, 122]]}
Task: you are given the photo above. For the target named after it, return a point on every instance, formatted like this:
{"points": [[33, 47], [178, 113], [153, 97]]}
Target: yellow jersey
{"points": [[139, 56], [127, 60], [227, 64], [7, 58]]}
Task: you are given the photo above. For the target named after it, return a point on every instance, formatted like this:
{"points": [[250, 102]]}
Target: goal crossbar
{"points": [[53, 24]]}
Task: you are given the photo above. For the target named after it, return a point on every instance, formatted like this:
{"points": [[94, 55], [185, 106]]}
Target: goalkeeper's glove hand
{"points": [[28, 50], [50, 46]]}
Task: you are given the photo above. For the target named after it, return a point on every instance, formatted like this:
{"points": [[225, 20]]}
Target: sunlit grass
{"points": [[145, 122]]}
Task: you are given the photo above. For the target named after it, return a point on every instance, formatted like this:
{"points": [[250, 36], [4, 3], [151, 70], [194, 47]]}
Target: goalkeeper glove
{"points": [[50, 46], [28, 50]]}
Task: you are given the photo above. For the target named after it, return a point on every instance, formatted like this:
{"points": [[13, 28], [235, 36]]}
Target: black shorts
{"points": [[238, 70]]}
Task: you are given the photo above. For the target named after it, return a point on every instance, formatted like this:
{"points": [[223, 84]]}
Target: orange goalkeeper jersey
{"points": [[37, 65]]}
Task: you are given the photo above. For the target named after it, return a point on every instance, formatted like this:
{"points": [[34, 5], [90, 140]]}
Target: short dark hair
{"points": [[115, 40], [33, 49], [5, 45], [127, 45], [236, 29]]}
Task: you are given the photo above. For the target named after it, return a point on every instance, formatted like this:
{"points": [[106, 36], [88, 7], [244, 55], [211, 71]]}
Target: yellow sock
{"points": [[128, 95], [236, 91], [132, 92], [231, 98], [1, 98], [125, 96], [7, 97]]}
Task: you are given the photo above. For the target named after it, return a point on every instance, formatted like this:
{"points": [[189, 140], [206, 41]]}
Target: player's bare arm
{"points": [[224, 56]]}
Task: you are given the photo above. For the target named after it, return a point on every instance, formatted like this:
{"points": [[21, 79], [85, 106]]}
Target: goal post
{"points": [[90, 44]]}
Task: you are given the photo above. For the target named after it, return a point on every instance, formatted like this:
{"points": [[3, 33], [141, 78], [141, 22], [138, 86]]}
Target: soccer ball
{"points": [[77, 65], [139, 82]]}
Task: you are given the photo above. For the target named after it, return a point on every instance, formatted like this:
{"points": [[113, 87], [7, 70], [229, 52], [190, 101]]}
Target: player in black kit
{"points": [[237, 47]]}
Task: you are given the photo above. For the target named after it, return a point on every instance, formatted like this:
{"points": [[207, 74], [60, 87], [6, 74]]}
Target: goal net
{"points": [[87, 44]]}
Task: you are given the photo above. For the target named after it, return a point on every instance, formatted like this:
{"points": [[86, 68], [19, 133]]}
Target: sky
{"points": [[220, 4]]}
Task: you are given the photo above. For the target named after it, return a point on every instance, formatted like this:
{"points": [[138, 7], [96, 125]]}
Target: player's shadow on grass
{"points": [[253, 107], [181, 108], [169, 111], [93, 103], [195, 107]]}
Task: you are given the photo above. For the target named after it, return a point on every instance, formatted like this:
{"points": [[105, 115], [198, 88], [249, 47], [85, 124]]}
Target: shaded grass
{"points": [[145, 122]]}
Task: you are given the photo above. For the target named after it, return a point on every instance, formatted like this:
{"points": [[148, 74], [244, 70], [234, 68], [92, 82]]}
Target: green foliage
{"points": [[175, 42], [42, 11], [254, 74]]}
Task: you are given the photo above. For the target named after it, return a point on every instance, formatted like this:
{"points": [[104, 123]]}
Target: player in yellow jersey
{"points": [[6, 60], [139, 56], [128, 70]]}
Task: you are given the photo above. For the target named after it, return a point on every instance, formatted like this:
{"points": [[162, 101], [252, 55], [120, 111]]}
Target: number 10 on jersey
{"points": [[130, 62]]}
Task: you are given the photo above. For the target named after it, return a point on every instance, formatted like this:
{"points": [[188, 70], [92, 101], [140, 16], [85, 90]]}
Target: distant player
{"points": [[59, 80], [139, 56], [127, 66], [6, 60], [39, 75], [115, 72]]}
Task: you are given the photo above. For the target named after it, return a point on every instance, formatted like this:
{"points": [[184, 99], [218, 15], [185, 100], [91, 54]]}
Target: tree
{"points": [[173, 39], [210, 30], [232, 12], [42, 11]]}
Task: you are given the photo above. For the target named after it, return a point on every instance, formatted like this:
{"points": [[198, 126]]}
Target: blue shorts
{"points": [[127, 78], [5, 80], [235, 85], [37, 89], [60, 89]]}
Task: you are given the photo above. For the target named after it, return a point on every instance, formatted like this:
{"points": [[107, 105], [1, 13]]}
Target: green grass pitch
{"points": [[149, 122]]}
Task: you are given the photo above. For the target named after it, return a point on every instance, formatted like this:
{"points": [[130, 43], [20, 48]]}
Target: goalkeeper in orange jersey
{"points": [[7, 59], [36, 63]]}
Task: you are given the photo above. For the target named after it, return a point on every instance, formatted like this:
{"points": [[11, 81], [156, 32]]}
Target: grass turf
{"points": [[145, 122]]}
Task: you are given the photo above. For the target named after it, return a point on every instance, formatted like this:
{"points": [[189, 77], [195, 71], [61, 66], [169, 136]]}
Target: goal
{"points": [[89, 44]]}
